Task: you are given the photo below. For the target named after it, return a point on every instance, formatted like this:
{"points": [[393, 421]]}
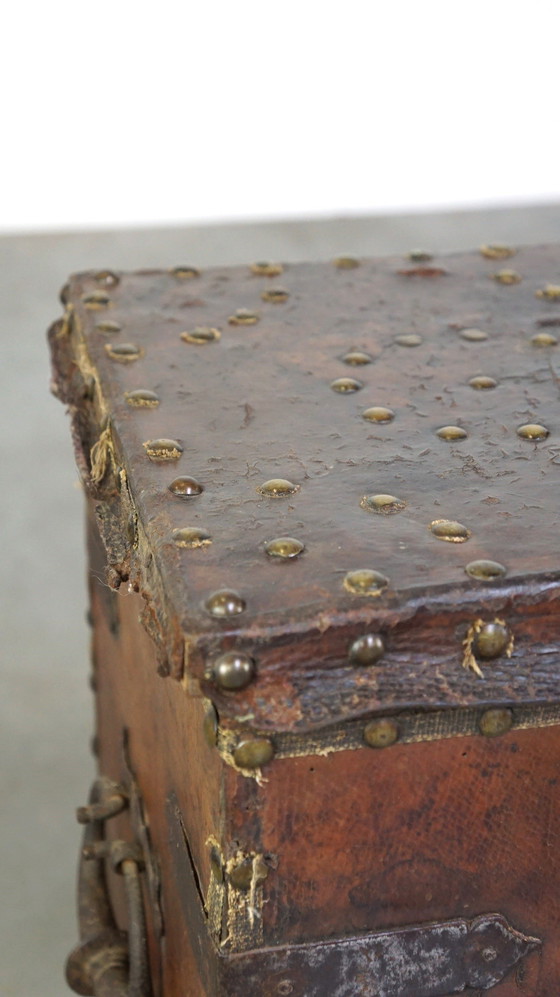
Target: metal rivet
{"points": [[108, 327], [355, 358], [496, 251], [366, 650], [550, 291], [191, 537], [243, 317], [384, 504], [533, 431], [108, 278], [267, 269], [346, 262], [277, 295], [381, 733], [377, 413], [142, 398], [544, 339], [473, 335], [233, 670], [225, 603], [485, 571], [408, 339], [495, 722], [346, 385], [420, 256], [123, 352], [277, 488], [186, 487], [210, 726], [507, 277], [482, 383], [163, 449], [491, 640], [96, 299], [216, 865], [453, 433], [365, 582], [253, 753], [450, 529], [201, 335], [185, 273], [284, 547]]}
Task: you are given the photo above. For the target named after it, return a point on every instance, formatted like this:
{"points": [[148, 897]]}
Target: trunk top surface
{"points": [[410, 410]]}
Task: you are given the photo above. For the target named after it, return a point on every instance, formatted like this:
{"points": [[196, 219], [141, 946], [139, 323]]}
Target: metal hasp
{"points": [[108, 962], [433, 960]]}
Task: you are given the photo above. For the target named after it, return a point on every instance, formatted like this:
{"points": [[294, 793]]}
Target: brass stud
{"points": [[210, 726], [355, 358], [346, 262], [253, 753], [496, 251], [379, 414], [485, 570], [123, 352], [420, 256], [346, 385], [544, 339], [365, 582], [95, 300], [495, 722], [108, 278], [185, 273], [276, 295], [163, 449], [482, 383], [408, 339], [492, 640], [108, 327], [243, 316], [384, 504], [191, 537], [381, 733], [366, 650], [551, 292], [285, 548], [533, 431], [278, 488], [186, 487], [451, 433], [201, 335], [507, 277], [233, 670], [450, 530], [225, 603], [473, 335], [142, 398], [267, 269]]}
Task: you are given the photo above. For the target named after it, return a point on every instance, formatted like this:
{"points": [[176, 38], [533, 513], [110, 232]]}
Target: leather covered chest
{"points": [[324, 511]]}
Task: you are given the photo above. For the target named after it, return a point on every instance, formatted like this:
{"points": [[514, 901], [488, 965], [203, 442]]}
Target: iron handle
{"points": [[108, 962]]}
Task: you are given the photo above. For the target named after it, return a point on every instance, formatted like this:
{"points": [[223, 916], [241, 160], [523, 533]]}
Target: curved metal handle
{"points": [[108, 962]]}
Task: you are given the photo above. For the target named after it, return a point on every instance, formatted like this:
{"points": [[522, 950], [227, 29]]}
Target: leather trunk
{"points": [[323, 523]]}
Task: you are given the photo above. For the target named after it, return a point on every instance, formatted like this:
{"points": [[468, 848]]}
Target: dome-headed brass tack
{"points": [[253, 753], [346, 262], [142, 398], [163, 449], [473, 335], [233, 670], [495, 722], [366, 650], [191, 537], [365, 582], [491, 640], [551, 292], [384, 504], [451, 433], [96, 299], [497, 251], [544, 339], [251, 870], [506, 277], [379, 414], [276, 295], [420, 256], [225, 603], [533, 431], [201, 335], [243, 316], [285, 548], [184, 273], [267, 269], [278, 488], [210, 726], [185, 487], [346, 385], [124, 352], [408, 339], [485, 571], [381, 733], [357, 358], [450, 529], [108, 327], [107, 278], [482, 382]]}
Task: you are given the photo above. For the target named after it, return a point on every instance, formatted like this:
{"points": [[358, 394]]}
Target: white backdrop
{"points": [[116, 113]]}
